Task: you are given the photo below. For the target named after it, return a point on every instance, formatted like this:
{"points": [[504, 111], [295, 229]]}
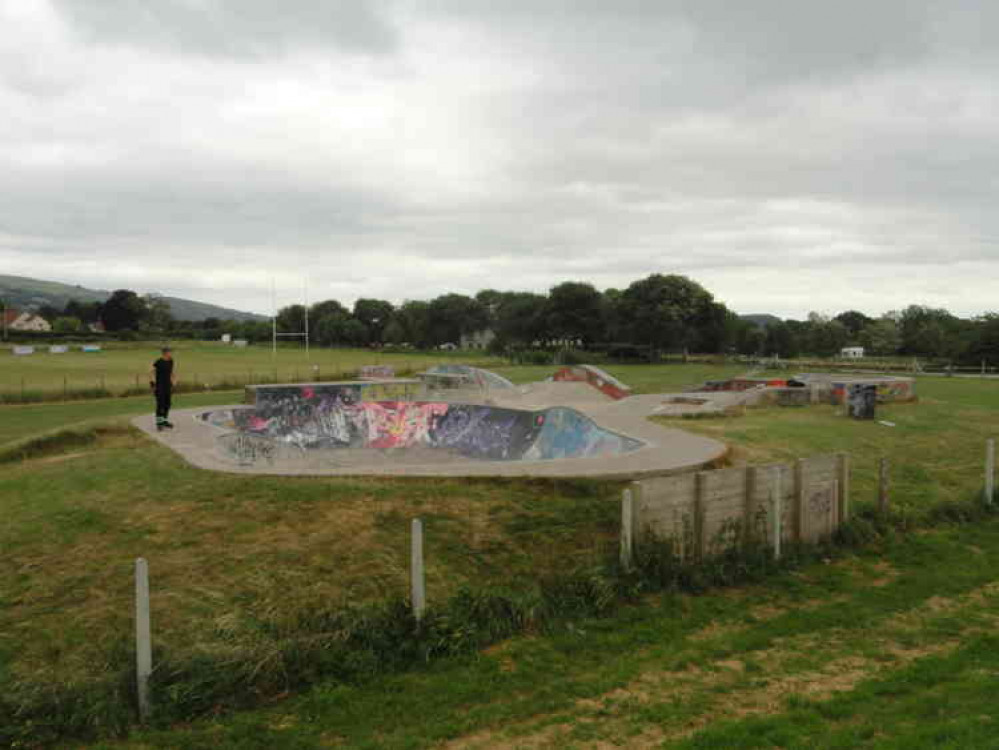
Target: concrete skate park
{"points": [[460, 421]]}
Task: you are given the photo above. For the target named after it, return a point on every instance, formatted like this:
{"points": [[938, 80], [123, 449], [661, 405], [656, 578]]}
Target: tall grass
{"points": [[263, 654]]}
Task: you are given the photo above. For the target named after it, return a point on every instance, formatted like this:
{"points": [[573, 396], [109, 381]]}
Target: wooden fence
{"points": [[706, 512]]}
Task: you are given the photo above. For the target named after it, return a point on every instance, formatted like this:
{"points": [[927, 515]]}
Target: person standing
{"points": [[161, 383]]}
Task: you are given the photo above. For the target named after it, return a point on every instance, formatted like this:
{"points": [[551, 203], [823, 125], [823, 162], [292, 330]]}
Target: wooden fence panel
{"points": [[707, 512]]}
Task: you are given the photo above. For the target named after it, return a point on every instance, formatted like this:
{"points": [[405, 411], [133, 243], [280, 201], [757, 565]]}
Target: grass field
{"points": [[892, 648], [122, 367], [237, 563]]}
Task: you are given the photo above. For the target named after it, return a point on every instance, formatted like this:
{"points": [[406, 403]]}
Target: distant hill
{"points": [[30, 294], [761, 319]]}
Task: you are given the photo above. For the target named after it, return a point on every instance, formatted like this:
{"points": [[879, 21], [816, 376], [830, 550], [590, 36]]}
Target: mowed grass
{"points": [[230, 553], [18, 422], [119, 366]]}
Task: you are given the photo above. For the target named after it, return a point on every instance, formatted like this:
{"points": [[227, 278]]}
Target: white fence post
{"points": [[418, 578], [990, 470], [777, 504], [627, 529], [143, 643]]}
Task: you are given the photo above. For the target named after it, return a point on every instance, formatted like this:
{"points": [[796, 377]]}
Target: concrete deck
{"points": [[666, 451]]}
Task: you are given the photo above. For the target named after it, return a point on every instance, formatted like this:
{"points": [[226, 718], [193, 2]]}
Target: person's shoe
{"points": [[160, 428], [168, 425]]}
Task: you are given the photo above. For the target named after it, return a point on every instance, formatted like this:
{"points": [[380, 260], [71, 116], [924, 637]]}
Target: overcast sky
{"points": [[789, 155]]}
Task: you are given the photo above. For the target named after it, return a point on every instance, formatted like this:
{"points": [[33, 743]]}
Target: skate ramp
{"points": [[310, 422]]}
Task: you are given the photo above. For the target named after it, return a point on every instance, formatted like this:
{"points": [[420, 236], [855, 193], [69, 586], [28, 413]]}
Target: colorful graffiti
{"points": [[567, 433], [602, 380], [861, 398], [314, 419]]}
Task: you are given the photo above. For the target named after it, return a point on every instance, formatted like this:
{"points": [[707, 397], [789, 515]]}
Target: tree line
{"points": [[653, 315]]}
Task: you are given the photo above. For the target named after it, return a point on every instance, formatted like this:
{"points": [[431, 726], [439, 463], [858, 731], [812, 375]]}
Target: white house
{"points": [[26, 321], [852, 352], [478, 339]]}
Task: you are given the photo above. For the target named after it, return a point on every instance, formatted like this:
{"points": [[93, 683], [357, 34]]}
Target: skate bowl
{"points": [[335, 426], [360, 429]]}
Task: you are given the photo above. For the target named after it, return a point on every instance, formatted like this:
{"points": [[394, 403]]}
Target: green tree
{"points": [[67, 324], [158, 316], [665, 311], [824, 337], [355, 332], [780, 340], [983, 344], [88, 312], [123, 311], [375, 315], [575, 311], [454, 314], [291, 319], [394, 332], [414, 316], [520, 318], [882, 337], [331, 328], [49, 312], [325, 322], [929, 332], [854, 321]]}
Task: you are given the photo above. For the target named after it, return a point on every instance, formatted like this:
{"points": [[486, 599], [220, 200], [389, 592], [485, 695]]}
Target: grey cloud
{"points": [[768, 148], [238, 28]]}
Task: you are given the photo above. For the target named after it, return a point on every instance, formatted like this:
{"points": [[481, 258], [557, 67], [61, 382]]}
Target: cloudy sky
{"points": [[790, 155]]}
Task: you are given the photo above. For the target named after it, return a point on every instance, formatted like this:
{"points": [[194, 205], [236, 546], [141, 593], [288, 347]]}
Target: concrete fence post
{"points": [[883, 481], [700, 508], [143, 641], [843, 480], [777, 506], [418, 581], [627, 529], [990, 470], [800, 517]]}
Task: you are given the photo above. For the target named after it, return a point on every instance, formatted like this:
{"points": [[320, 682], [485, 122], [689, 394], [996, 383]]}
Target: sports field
{"points": [[249, 573], [125, 368]]}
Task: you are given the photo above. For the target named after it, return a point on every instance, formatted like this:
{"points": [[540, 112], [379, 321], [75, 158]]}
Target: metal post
{"points": [[990, 470], [627, 529], [143, 642], [273, 321], [417, 574]]}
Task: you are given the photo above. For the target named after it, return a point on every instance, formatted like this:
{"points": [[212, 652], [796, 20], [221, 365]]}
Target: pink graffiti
{"points": [[396, 424]]}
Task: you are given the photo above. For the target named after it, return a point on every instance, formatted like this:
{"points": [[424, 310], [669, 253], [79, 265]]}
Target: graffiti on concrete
{"points": [[312, 419], [600, 379], [861, 399], [567, 433], [247, 450]]}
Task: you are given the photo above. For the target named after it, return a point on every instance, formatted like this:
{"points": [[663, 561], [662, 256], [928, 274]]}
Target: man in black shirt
{"points": [[162, 385]]}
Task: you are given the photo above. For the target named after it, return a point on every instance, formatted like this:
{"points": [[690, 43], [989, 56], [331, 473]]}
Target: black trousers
{"points": [[162, 404]]}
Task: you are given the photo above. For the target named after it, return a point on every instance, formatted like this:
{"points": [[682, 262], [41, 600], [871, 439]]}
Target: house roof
{"points": [[9, 315]]}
